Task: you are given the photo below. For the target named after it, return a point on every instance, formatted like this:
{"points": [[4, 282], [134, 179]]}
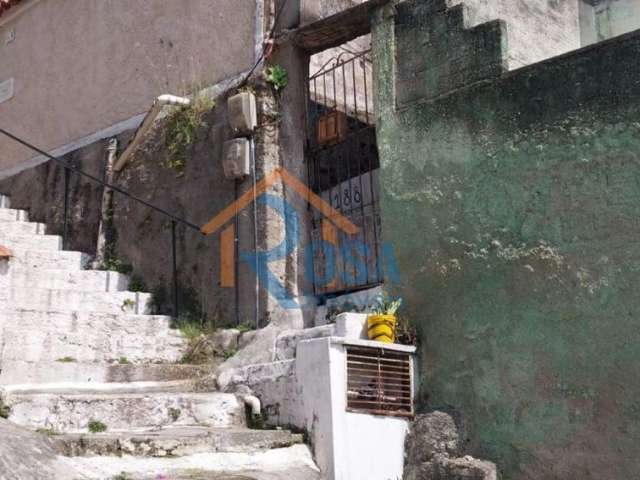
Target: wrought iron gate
{"points": [[342, 158]]}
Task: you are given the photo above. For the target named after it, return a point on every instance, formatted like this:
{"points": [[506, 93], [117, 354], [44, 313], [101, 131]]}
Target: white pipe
{"points": [[159, 102], [168, 99], [107, 195], [254, 403]]}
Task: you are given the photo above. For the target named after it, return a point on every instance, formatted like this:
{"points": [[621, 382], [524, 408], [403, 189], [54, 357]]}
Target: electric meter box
{"points": [[236, 158], [243, 114]]}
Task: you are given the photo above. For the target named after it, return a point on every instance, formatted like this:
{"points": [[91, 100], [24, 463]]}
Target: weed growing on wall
{"points": [[181, 128], [277, 77], [5, 410], [96, 426]]}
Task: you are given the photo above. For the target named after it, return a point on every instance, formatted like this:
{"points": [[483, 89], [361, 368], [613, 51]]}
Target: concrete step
{"points": [[31, 242], [49, 259], [20, 371], [90, 345], [291, 463], [79, 321], [174, 442], [71, 300], [119, 412], [23, 228], [95, 388], [80, 280], [12, 215]]}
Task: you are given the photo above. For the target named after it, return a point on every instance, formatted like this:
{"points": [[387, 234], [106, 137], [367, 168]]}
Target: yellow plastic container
{"points": [[382, 328]]}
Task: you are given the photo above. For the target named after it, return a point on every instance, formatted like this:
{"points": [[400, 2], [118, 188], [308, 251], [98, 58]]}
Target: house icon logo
{"points": [[333, 222]]}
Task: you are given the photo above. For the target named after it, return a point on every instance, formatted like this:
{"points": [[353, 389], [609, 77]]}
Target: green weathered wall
{"points": [[514, 208]]}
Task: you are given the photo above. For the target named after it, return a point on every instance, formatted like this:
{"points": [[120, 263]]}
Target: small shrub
{"points": [[111, 264], [406, 333], [190, 330], [181, 129], [277, 77], [123, 361], [5, 410], [174, 414], [136, 284], [66, 360], [121, 476], [96, 426], [229, 353], [127, 304], [49, 432], [244, 327]]}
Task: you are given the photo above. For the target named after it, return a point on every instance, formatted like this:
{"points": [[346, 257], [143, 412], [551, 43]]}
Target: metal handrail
{"points": [[101, 182], [71, 169]]}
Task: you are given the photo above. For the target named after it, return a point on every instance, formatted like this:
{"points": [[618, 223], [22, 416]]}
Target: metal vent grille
{"points": [[379, 382]]}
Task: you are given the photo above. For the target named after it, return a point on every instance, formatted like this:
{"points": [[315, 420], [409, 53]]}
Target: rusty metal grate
{"points": [[379, 382]]}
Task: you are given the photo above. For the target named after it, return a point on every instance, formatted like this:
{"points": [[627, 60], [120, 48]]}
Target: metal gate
{"points": [[342, 158]]}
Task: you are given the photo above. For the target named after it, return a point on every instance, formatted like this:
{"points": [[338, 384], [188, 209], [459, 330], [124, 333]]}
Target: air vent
{"points": [[379, 381]]}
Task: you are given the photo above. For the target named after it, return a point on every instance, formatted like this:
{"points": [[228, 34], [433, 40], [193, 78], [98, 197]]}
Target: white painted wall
{"points": [[347, 446], [607, 19], [536, 29]]}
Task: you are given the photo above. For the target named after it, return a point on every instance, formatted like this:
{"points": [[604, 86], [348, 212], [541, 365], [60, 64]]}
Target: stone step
{"points": [[20, 371], [71, 300], [96, 388], [78, 321], [31, 242], [23, 228], [174, 442], [291, 463], [35, 346], [49, 259], [12, 215], [73, 413], [80, 280]]}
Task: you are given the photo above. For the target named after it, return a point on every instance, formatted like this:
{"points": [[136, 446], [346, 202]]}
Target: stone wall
{"points": [[513, 204], [41, 191]]}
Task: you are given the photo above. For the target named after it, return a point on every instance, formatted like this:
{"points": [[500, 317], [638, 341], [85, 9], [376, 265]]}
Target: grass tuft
{"points": [[96, 426]]}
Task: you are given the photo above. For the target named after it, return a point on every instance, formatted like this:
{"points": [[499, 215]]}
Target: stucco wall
{"points": [[608, 18], [80, 66], [537, 29], [512, 205]]}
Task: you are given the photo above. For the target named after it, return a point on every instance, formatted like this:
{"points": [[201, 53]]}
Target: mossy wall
{"points": [[513, 204]]}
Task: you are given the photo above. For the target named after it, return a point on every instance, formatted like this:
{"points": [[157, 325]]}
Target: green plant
{"points": [[121, 476], [277, 77], [406, 333], [385, 305], [136, 284], [96, 426], [49, 432], [229, 353], [244, 327], [127, 304], [112, 264], [174, 413], [5, 410], [66, 360], [247, 89], [190, 330], [123, 361], [181, 127]]}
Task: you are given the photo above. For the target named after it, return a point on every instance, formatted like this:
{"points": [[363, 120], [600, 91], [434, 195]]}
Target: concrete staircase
{"points": [[80, 354]]}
